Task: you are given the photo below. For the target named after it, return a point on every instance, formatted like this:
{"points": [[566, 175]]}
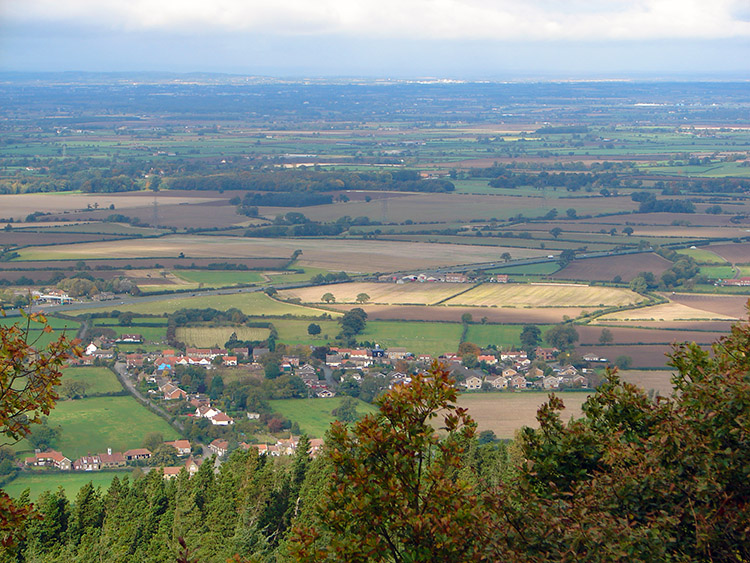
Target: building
{"points": [[137, 455], [50, 458], [219, 447], [182, 446]]}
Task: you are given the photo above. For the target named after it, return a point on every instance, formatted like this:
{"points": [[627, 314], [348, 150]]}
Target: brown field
{"points": [[19, 206], [25, 238], [709, 326], [332, 254], [544, 315], [455, 207], [381, 293], [588, 226], [729, 305], [735, 253], [606, 268], [644, 356], [506, 413], [666, 312], [666, 219], [659, 381], [589, 335], [67, 265]]}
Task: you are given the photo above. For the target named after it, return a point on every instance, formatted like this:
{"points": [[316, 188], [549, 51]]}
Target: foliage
{"points": [[29, 376], [562, 336], [396, 493]]}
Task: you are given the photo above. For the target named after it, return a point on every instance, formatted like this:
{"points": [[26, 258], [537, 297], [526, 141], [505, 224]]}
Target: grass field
{"points": [[544, 295], [216, 336], [147, 321], [98, 380], [219, 278], [541, 269], [499, 335], [381, 293], [417, 337], [95, 424], [253, 304], [149, 333], [718, 272], [38, 482], [294, 332], [314, 415], [703, 256], [506, 413], [665, 312]]}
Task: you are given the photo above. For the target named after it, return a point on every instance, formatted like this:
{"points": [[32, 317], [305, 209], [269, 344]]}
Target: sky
{"points": [[460, 39]]}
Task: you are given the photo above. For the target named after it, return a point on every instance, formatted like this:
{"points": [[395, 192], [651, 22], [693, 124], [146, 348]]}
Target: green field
{"points": [[314, 415], [219, 278], [294, 332], [141, 321], [99, 380], [541, 269], [718, 272], [254, 304], [703, 256], [417, 337], [499, 335], [38, 482], [92, 425], [147, 332]]}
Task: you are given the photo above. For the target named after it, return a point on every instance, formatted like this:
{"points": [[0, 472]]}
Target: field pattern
{"points": [[98, 380], [215, 337], [419, 338], [314, 415], [544, 295], [381, 293]]}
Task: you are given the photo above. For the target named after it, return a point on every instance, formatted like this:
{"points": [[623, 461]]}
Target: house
{"points": [[488, 359], [112, 459], [137, 454], [50, 458], [546, 354], [535, 372], [253, 416], [265, 449], [192, 466], [568, 371], [229, 360], [497, 381], [260, 352], [551, 382], [219, 447], [396, 353], [134, 360], [206, 411], [221, 419], [171, 472], [182, 446], [472, 383], [175, 394], [518, 382], [509, 372], [130, 339], [88, 463], [334, 360], [316, 444], [456, 278], [325, 393], [513, 356]]}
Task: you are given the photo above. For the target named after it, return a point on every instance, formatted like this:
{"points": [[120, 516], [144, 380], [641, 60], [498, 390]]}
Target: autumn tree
{"points": [[396, 493], [29, 376]]}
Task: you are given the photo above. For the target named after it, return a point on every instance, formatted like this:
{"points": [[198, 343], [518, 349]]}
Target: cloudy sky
{"points": [[492, 39]]}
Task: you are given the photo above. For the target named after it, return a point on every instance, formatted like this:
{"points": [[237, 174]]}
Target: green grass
{"points": [[294, 332], [294, 277], [99, 380], [314, 415], [146, 321], [499, 335], [147, 332], [219, 278], [417, 337], [718, 272], [255, 304], [92, 425], [703, 256], [38, 482]]}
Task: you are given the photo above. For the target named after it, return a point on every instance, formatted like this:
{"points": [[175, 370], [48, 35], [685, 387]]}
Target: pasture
{"points": [[314, 415], [294, 332], [703, 255], [381, 293], [219, 278], [252, 303], [216, 336], [544, 295], [37, 482], [673, 311], [608, 267], [92, 425], [500, 335], [506, 413], [416, 337], [98, 380]]}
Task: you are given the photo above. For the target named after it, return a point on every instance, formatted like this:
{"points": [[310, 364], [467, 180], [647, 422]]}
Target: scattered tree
{"points": [[313, 329], [328, 298], [606, 336], [363, 298], [562, 336]]}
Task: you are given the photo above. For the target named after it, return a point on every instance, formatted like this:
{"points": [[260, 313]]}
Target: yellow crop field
{"points": [[207, 337], [545, 295], [665, 312], [381, 293]]}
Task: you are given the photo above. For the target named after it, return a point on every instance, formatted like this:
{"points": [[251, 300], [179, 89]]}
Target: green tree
{"points": [[563, 336], [363, 298], [353, 322], [606, 336], [628, 231], [328, 298], [505, 257], [313, 329], [623, 362], [346, 411], [556, 232], [531, 336], [396, 493]]}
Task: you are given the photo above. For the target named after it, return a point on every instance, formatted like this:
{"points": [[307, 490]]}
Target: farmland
{"points": [[314, 415], [98, 380], [382, 293], [215, 337], [38, 482], [94, 424], [544, 295]]}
